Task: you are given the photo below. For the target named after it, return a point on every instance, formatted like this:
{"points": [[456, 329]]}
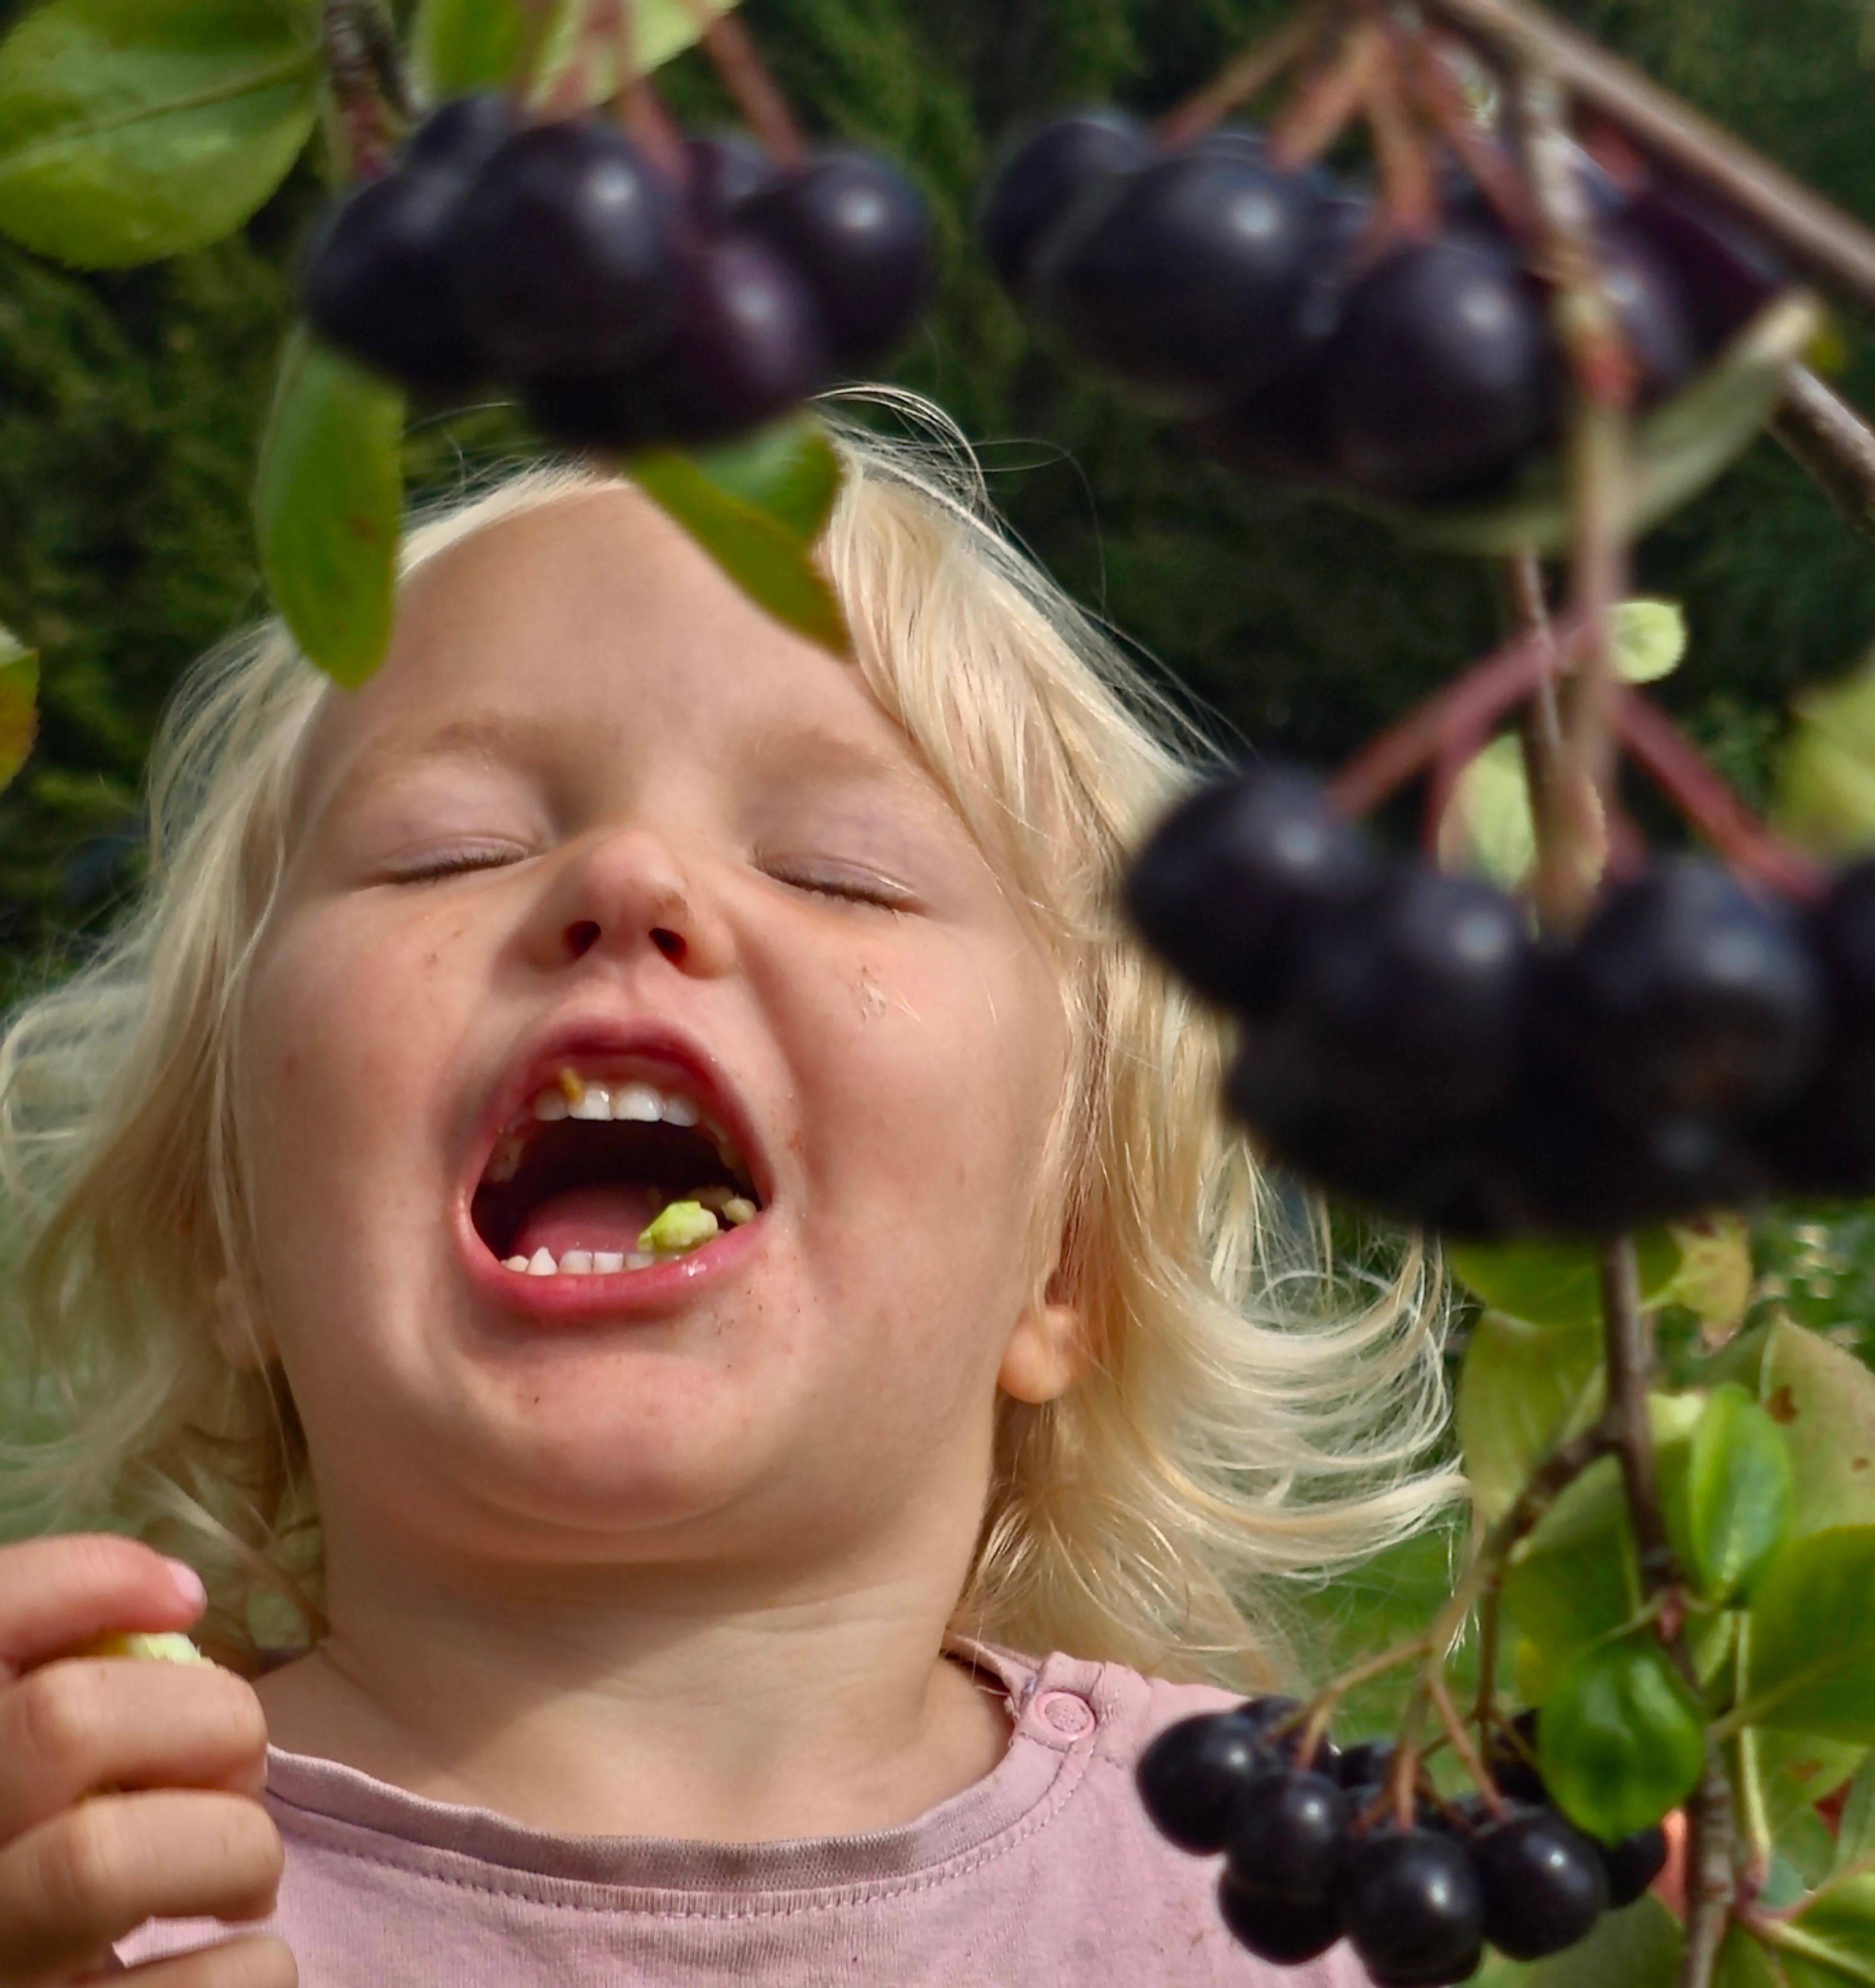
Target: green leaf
{"points": [[133, 129], [1798, 1771], [1813, 1638], [1728, 1500], [1679, 448], [329, 508], [19, 716], [791, 470], [1556, 1283], [762, 550], [1824, 1400], [461, 44], [1522, 1389], [1637, 1947], [1650, 640], [1622, 1739], [1744, 1964], [1716, 1279], [1488, 827], [1855, 1838], [1826, 780], [1834, 1935]]}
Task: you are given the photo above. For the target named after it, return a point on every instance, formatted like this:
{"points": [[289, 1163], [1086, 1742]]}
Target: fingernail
{"points": [[188, 1583]]}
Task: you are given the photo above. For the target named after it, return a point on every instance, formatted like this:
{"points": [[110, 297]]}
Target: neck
{"points": [[670, 1704]]}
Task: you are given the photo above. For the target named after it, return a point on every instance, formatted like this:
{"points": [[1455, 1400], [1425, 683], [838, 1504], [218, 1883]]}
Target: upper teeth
{"points": [[571, 1095]]}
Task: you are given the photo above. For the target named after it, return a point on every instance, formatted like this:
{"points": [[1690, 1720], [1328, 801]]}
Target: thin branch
{"points": [[1454, 1728], [1703, 797], [1258, 67], [1408, 191], [1837, 251], [363, 132], [1439, 96], [1482, 694], [1326, 102], [1834, 445], [758, 96]]}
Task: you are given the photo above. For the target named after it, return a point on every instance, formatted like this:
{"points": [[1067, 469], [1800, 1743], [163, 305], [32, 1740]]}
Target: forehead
{"points": [[589, 618]]}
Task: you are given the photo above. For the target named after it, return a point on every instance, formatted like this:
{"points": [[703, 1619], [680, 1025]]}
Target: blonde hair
{"points": [[1246, 1413]]}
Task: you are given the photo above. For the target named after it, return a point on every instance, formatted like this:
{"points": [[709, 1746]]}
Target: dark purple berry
{"points": [[1184, 279], [1441, 375], [1412, 1906], [1544, 1884], [461, 135], [1366, 1764], [1190, 1776], [1283, 1934], [857, 230], [1685, 994], [1724, 274], [1632, 1864], [565, 253], [1227, 881], [1284, 1836], [1654, 316], [1038, 177], [376, 283], [724, 169], [1511, 1759]]}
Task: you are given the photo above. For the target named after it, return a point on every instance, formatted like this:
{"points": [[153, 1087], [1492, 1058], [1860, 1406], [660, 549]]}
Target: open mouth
{"points": [[596, 1177]]}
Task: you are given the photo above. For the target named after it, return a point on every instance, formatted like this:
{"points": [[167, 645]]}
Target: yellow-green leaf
{"points": [[1523, 1388], [1488, 826], [1650, 640], [1556, 1283], [19, 716], [133, 129], [329, 507], [1813, 1646], [1622, 1738], [1824, 1399], [1826, 795], [462, 45]]}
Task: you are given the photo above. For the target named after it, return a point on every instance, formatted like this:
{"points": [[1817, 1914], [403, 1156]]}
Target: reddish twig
{"points": [[1409, 190], [737, 60], [1439, 100], [1702, 795], [1476, 699], [1258, 67], [363, 129], [1328, 101]]}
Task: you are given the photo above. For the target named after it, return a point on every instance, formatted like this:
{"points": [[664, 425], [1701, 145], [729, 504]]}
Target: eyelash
{"points": [[853, 894], [463, 862]]}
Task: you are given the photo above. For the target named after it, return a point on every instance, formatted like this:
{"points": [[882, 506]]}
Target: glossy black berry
{"points": [[1229, 879], [1284, 1836], [1412, 1906], [1632, 1864], [565, 260], [1040, 175], [1842, 932], [1192, 1774], [858, 231], [376, 283], [1654, 318], [1686, 994], [1366, 1764], [722, 169], [1411, 997], [1184, 279], [461, 135], [1283, 1934], [1441, 377], [1511, 1759], [1544, 1882]]}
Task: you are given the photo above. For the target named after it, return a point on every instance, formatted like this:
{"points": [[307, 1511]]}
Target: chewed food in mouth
{"points": [[596, 1177]]}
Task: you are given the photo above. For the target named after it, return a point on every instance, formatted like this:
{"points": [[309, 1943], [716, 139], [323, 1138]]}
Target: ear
{"points": [[1045, 1354], [246, 1350]]}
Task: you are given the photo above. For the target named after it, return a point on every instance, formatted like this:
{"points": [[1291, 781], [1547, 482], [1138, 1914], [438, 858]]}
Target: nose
{"points": [[624, 892]]}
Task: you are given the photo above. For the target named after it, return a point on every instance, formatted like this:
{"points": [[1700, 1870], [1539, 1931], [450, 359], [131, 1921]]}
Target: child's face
{"points": [[655, 779]]}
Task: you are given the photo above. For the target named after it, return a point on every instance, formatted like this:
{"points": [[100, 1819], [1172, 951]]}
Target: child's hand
{"points": [[183, 1749]]}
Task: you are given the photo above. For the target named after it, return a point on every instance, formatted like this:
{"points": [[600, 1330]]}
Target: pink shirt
{"points": [[1046, 1874]]}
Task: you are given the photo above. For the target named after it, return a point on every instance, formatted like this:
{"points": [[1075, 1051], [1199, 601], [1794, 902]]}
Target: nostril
{"points": [[668, 943], [582, 937]]}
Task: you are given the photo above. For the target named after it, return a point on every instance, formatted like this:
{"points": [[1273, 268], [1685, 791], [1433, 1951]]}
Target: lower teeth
{"points": [[680, 1228]]}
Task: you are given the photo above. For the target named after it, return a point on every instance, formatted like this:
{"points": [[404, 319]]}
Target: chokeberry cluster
{"points": [[1272, 310], [1406, 1041], [628, 302], [1314, 1851]]}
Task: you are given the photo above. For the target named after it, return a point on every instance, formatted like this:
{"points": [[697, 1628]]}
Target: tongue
{"points": [[611, 1217]]}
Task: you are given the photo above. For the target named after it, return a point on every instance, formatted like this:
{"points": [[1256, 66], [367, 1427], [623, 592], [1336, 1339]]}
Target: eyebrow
{"points": [[514, 735]]}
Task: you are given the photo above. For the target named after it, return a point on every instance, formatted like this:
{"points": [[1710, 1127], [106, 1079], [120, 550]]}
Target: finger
{"points": [[75, 1885], [70, 1728], [256, 1962], [56, 1594]]}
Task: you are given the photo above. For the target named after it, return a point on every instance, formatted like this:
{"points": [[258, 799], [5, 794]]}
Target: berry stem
{"points": [[1839, 252], [1473, 701], [737, 60], [1325, 103], [1258, 66], [641, 110], [1833, 443], [362, 142], [1675, 764], [1436, 93], [1440, 1693], [1410, 193]]}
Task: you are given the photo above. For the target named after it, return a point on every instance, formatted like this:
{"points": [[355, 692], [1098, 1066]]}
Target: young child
{"points": [[627, 1171]]}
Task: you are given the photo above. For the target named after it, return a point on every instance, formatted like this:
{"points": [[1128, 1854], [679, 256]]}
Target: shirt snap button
{"points": [[1066, 1711]]}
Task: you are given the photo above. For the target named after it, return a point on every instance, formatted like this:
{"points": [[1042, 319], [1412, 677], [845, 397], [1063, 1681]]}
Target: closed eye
{"points": [[884, 897], [455, 863]]}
